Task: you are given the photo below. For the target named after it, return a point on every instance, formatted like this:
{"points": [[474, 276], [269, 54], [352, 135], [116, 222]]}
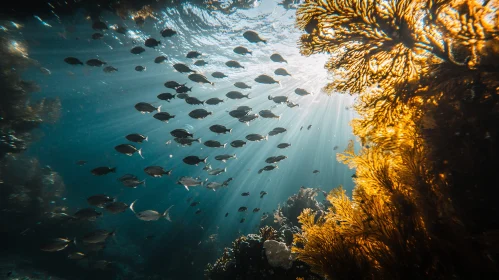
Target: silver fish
{"points": [[55, 245], [301, 92], [256, 137], [217, 171], [278, 99], [225, 157], [214, 186], [189, 182], [269, 115], [151, 215]]}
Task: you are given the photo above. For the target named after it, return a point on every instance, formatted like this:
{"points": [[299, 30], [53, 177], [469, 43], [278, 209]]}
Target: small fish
{"points": [[116, 207], [256, 210], [97, 236], [182, 95], [278, 99], [95, 62], [151, 215], [181, 133], [315, 171], [226, 182], [182, 89], [137, 50], [237, 143], [168, 32], [217, 171], [301, 92], [213, 101], [198, 211], [88, 214], [241, 85], [182, 68], [291, 104], [137, 138], [194, 160], [73, 61], [133, 183], [245, 194], [128, 150], [253, 37], [140, 68], [110, 69], [81, 162], [262, 194], [103, 170], [193, 54], [199, 114], [193, 101], [268, 114], [166, 96], [121, 30], [55, 245], [242, 220], [76, 256], [277, 130], [268, 168], [186, 141], [97, 36], [248, 118], [160, 59], [264, 79], [163, 116], [194, 203], [335, 148], [218, 75], [144, 107], [214, 144], [236, 95], [198, 78], [256, 137], [225, 157], [281, 72], [99, 200], [226, 214], [308, 127], [277, 58], [220, 129], [173, 84], [238, 113], [242, 209], [275, 159], [99, 25], [242, 50], [189, 182], [233, 64], [151, 43], [157, 171], [127, 177], [354, 175], [200, 63], [301, 128], [214, 186]]}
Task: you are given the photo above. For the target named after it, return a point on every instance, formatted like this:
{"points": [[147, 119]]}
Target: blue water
{"points": [[98, 112]]}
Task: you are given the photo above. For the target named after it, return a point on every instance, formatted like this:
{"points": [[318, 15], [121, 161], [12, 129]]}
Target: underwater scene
{"points": [[245, 139]]}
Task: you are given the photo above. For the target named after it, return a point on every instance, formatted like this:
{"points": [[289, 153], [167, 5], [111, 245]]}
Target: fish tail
{"points": [[250, 52], [113, 170], [186, 187], [143, 183], [247, 96], [270, 97], [266, 137], [277, 167], [235, 157], [147, 138], [225, 145], [230, 131], [159, 108], [225, 169], [140, 152], [166, 214], [205, 159], [131, 206], [199, 140], [212, 83], [260, 171], [279, 117]]}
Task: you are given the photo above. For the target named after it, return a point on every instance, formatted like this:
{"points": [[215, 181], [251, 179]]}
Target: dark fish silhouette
{"points": [[163, 116], [236, 95], [262, 194], [277, 130], [218, 75], [97, 36], [268, 114], [193, 54], [128, 150], [137, 138], [172, 84], [248, 118], [121, 29], [137, 50], [264, 79], [166, 96], [214, 144], [237, 143], [193, 101], [213, 101], [301, 92], [168, 32], [242, 50], [242, 209], [281, 72], [233, 64], [256, 137], [151, 43], [181, 133], [238, 113], [73, 61], [277, 58], [110, 69], [200, 63], [241, 85], [198, 78], [182, 89], [220, 129], [157, 171], [144, 107], [103, 170], [194, 160], [160, 59], [140, 68], [182, 68], [278, 99], [199, 114], [268, 168], [253, 37], [95, 62]]}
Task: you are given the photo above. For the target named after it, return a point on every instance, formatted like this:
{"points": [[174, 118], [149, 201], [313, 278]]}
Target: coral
{"points": [[278, 254]]}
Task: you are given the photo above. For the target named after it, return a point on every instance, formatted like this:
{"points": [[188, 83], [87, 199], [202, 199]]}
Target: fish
{"points": [[214, 186], [99, 200], [128, 150], [268, 168], [226, 214], [256, 137], [173, 84], [335, 148], [248, 118], [315, 171], [301, 92], [137, 138], [133, 183], [193, 54], [238, 113], [217, 171], [278, 99], [354, 175], [220, 129], [225, 157], [121, 30], [109, 69], [264, 79], [256, 210], [56, 244], [226, 182], [253, 37], [181, 133], [166, 96], [194, 160], [144, 107], [193, 101], [151, 215], [94, 62], [200, 63], [189, 182], [262, 194], [194, 203], [127, 177], [214, 144], [76, 256], [281, 72], [242, 50], [277, 130], [73, 61], [213, 101], [97, 236], [242, 220], [160, 59], [277, 58], [182, 68], [168, 32], [236, 95], [241, 85], [182, 89], [182, 95], [308, 127], [291, 104], [268, 114], [97, 36], [199, 114], [198, 211], [103, 170], [163, 116], [242, 209], [157, 171], [275, 159], [152, 43], [81, 162], [218, 75], [137, 50], [207, 167], [116, 207], [245, 194], [237, 143], [88, 214], [140, 68], [233, 64], [99, 25], [198, 78], [186, 141]]}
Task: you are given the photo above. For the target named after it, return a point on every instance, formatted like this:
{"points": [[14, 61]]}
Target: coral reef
{"points": [[278, 254], [423, 206]]}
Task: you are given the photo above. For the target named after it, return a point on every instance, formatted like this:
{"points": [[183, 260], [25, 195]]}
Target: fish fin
{"points": [[279, 117], [277, 167], [225, 145], [186, 187], [270, 97], [144, 182], [247, 123], [113, 170], [140, 152], [131, 206], [225, 169], [166, 214], [199, 140], [230, 131], [260, 171], [235, 156], [223, 160], [147, 138], [204, 160], [247, 96], [159, 108], [266, 137]]}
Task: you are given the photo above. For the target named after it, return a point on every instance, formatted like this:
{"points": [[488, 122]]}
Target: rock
{"points": [[278, 254]]}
